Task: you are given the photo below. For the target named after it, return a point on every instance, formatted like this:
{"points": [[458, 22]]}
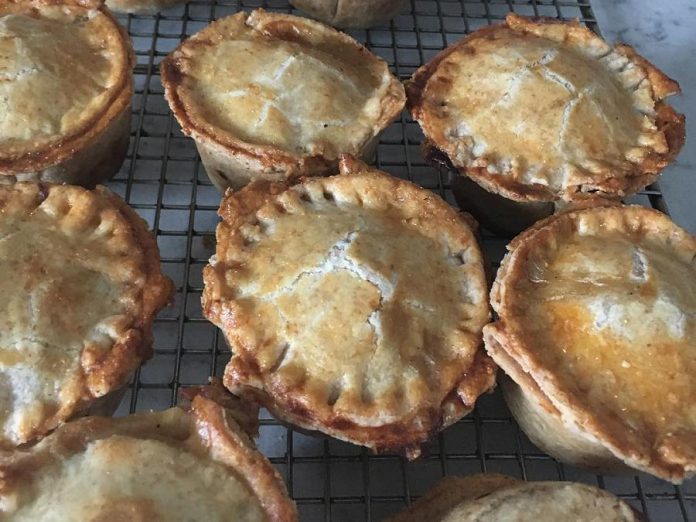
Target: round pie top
{"points": [[541, 110], [82, 284], [598, 307], [170, 465], [489, 497], [62, 67], [279, 84], [354, 304]]}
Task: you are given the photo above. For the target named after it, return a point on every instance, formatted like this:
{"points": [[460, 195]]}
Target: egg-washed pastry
{"points": [[174, 465], [353, 306], [489, 497], [360, 14], [275, 97], [540, 110], [80, 288], [65, 91], [597, 333]]}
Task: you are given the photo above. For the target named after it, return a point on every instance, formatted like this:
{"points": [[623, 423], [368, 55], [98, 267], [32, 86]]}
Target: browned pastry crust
{"points": [[261, 123], [207, 434], [490, 496], [94, 144], [360, 14], [90, 276], [142, 6], [613, 287], [613, 159], [299, 282]]}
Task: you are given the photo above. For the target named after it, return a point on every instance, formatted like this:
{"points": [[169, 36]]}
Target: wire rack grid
{"points": [[164, 181]]}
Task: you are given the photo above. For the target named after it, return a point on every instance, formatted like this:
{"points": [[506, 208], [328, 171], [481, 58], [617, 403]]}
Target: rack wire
{"points": [[164, 181]]}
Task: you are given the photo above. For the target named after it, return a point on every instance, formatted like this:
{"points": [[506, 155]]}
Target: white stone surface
{"points": [[665, 33]]}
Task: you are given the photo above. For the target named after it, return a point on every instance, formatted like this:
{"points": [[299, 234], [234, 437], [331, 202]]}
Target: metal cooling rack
{"points": [[164, 181]]}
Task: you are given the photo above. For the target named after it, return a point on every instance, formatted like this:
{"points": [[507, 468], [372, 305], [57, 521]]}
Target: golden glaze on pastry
{"points": [[492, 497], [351, 13], [598, 320], [65, 87], [280, 96], [353, 305], [81, 284], [172, 465], [541, 110]]}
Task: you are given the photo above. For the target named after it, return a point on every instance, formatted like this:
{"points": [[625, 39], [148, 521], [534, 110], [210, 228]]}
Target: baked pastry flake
{"points": [[81, 286], [275, 97], [353, 306], [171, 465], [539, 110], [65, 91], [597, 332]]}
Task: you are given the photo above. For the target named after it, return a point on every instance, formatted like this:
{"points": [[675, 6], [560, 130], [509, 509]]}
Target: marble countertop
{"points": [[664, 33]]}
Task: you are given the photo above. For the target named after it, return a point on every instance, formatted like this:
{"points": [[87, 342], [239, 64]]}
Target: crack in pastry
{"points": [[597, 325], [282, 95], [77, 309], [175, 465], [319, 289], [545, 110], [65, 91]]}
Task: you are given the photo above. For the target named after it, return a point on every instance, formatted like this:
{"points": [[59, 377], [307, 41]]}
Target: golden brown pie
{"points": [[65, 91], [545, 110], [81, 284], [173, 465], [597, 333], [353, 306], [273, 96], [351, 13], [489, 497]]}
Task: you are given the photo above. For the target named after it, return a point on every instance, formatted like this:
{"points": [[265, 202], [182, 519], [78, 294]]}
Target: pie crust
{"points": [[597, 331], [353, 306], [539, 110], [171, 465], [65, 91], [142, 6], [489, 496], [275, 97], [360, 14], [81, 286]]}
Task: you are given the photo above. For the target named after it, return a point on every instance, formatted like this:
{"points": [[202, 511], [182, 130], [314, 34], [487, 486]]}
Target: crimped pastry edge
{"points": [[576, 430], [232, 162], [671, 123]]}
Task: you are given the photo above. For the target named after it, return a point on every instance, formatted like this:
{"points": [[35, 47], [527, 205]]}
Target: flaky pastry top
{"points": [[353, 303], [81, 284], [279, 86], [598, 308], [63, 66], [172, 465], [544, 110]]}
